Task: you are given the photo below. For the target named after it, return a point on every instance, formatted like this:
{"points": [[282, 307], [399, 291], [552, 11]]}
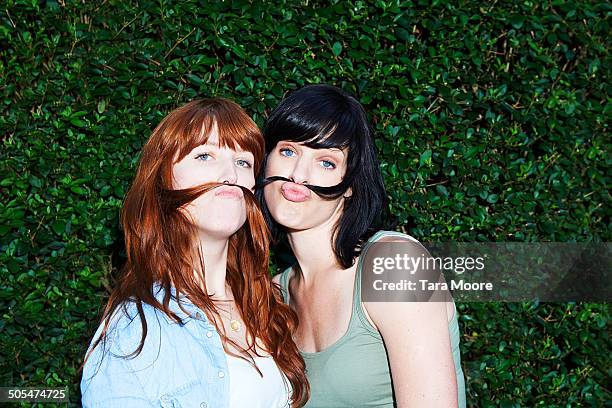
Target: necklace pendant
{"points": [[235, 325]]}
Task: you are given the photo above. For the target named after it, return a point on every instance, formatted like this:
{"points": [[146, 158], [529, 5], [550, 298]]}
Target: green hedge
{"points": [[492, 123]]}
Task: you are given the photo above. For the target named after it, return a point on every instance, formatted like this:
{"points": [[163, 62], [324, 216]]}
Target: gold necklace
{"points": [[234, 324]]}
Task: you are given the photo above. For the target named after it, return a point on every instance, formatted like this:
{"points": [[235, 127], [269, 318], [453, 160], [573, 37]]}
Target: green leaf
{"points": [[59, 227], [492, 198], [101, 106], [78, 122], [78, 190], [35, 182], [517, 21], [425, 158], [194, 79], [442, 190], [337, 48]]}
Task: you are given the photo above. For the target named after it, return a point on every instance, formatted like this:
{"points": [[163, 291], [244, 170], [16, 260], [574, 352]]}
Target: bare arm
{"points": [[418, 345], [417, 341]]}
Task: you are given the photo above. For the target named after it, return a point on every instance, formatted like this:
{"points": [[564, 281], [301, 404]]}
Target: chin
{"points": [[220, 230], [290, 218], [220, 225]]}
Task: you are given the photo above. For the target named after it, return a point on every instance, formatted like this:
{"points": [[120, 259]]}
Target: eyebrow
{"points": [[240, 150], [335, 150], [332, 149]]}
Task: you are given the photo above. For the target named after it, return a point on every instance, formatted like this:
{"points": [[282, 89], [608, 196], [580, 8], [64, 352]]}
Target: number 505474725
{"points": [[33, 394]]}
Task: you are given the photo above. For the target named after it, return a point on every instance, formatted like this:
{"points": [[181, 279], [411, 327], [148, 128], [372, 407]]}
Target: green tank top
{"points": [[354, 371]]}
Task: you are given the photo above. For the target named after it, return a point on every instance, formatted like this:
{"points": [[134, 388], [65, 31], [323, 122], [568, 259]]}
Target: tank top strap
{"points": [[359, 315], [284, 283]]}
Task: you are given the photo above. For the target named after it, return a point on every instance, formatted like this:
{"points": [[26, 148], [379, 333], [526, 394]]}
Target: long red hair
{"points": [[160, 239]]}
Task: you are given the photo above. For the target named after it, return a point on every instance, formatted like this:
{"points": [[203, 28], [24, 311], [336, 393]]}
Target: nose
{"points": [[229, 174], [301, 171]]}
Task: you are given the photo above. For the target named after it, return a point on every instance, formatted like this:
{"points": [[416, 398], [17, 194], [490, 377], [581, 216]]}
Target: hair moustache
{"points": [[171, 200], [326, 193]]}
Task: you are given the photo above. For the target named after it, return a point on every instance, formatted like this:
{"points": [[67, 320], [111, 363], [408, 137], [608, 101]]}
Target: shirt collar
{"points": [[181, 305]]}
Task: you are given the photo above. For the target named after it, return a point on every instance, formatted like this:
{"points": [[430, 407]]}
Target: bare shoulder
{"points": [[391, 313], [394, 236]]}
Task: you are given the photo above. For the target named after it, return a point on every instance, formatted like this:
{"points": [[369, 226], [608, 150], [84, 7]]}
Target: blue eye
{"points": [[286, 152], [204, 156], [326, 164], [244, 163]]}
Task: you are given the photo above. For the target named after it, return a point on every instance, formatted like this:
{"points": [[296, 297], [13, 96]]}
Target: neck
{"points": [[214, 255], [313, 248]]}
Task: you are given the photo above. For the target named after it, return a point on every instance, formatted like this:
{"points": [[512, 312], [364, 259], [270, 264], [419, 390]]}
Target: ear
{"points": [[348, 193]]}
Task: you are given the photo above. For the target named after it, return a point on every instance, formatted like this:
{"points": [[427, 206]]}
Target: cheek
{"points": [[270, 195], [189, 176], [197, 206], [247, 180], [273, 166], [180, 179], [181, 176], [328, 178]]}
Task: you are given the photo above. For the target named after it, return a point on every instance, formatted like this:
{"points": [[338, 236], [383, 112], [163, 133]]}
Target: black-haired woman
{"points": [[324, 192]]}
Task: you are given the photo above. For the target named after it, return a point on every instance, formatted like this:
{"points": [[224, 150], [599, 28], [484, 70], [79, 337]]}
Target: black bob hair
{"points": [[323, 116]]}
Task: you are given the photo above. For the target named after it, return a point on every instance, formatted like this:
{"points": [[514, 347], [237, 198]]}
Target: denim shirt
{"points": [[179, 365]]}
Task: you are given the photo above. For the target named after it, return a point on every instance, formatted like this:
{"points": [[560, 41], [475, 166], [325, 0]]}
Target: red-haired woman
{"points": [[195, 319]]}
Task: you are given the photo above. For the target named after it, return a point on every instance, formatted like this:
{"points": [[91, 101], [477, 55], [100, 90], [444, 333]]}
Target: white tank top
{"points": [[249, 390]]}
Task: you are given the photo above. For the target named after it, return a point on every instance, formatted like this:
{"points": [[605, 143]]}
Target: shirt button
{"points": [[203, 405], [198, 315], [209, 334], [221, 374]]}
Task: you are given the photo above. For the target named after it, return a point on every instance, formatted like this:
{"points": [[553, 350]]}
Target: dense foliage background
{"points": [[492, 124]]}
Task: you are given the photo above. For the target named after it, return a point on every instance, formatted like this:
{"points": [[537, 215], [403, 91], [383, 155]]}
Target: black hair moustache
{"points": [[326, 193]]}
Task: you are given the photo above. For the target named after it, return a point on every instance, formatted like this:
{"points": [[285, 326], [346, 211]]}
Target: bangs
{"points": [[236, 130], [317, 122]]}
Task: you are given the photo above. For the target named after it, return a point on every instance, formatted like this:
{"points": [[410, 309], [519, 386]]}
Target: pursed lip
{"points": [[229, 192], [295, 192]]}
